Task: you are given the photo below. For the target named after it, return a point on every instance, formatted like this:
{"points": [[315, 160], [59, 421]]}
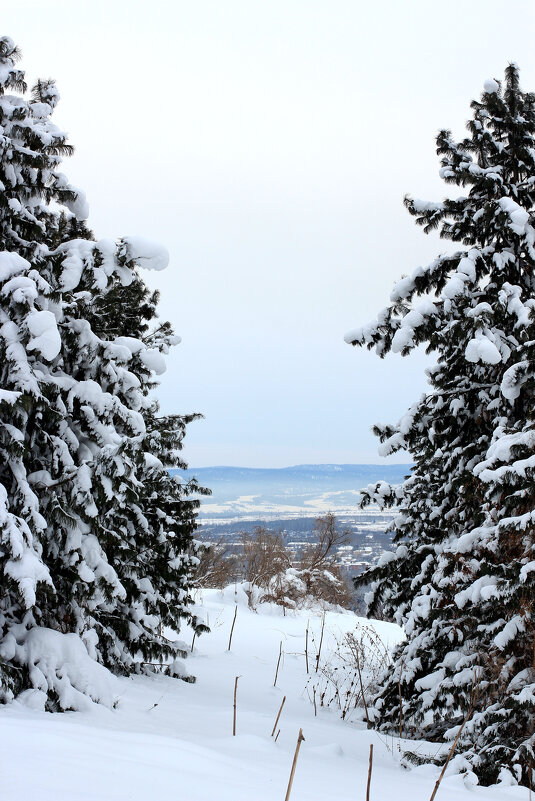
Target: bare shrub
{"points": [[264, 556], [348, 677], [218, 565]]}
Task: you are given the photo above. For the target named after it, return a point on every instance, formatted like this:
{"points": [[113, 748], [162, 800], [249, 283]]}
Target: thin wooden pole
{"points": [[452, 749], [234, 718], [400, 706], [300, 739], [278, 663], [321, 641], [369, 774], [278, 716], [232, 627]]}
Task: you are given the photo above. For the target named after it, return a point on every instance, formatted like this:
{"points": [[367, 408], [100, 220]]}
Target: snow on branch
{"points": [[147, 254]]}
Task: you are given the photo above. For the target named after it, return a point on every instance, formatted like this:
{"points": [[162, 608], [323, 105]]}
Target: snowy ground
{"points": [[172, 740]]}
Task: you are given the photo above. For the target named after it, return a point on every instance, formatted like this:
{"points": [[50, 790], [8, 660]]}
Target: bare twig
{"points": [[369, 774], [232, 628], [277, 737], [300, 739], [278, 716]]}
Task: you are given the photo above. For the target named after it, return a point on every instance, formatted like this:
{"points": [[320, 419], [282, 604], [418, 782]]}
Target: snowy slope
{"points": [[172, 740]]}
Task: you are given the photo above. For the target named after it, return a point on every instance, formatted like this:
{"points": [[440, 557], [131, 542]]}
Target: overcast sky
{"points": [[268, 145]]}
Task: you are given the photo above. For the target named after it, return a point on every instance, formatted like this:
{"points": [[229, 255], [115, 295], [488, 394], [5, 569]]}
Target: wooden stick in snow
{"points": [[278, 663], [232, 628], [400, 707], [234, 718], [278, 716], [369, 774], [453, 747], [300, 739]]}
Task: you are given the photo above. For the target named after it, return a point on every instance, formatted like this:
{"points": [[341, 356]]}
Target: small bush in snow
{"points": [[348, 675]]}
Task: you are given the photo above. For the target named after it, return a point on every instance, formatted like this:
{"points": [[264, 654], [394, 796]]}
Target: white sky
{"points": [[268, 145]]}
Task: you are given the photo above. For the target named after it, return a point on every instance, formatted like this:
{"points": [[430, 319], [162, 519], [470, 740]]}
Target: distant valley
{"points": [[290, 499], [240, 493]]}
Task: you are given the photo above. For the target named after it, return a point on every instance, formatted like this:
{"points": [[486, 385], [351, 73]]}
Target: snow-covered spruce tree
{"points": [[150, 522], [461, 580], [31, 149], [94, 533]]}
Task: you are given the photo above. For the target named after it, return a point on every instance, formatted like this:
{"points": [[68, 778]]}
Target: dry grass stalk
{"points": [[234, 716], [300, 739], [306, 646], [232, 628], [277, 737], [363, 695], [369, 774], [278, 716], [278, 663]]}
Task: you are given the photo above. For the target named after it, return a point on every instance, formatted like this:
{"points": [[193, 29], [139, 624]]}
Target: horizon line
{"points": [[304, 464]]}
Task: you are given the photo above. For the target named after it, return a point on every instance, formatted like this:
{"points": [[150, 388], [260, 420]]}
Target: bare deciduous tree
{"points": [[264, 561]]}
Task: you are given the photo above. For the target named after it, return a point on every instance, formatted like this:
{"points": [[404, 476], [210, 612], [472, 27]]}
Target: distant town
{"points": [[367, 535]]}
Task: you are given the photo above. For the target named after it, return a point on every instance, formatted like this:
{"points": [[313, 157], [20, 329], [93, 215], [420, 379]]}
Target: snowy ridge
{"points": [[298, 491]]}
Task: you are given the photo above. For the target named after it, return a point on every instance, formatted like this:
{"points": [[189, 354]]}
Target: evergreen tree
{"points": [[150, 521], [96, 545], [31, 150], [461, 578]]}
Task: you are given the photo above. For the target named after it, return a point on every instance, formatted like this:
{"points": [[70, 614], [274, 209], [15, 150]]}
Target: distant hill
{"points": [[300, 490]]}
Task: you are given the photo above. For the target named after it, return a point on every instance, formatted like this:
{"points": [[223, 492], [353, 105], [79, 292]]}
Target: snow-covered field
{"points": [[240, 493], [171, 740]]}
